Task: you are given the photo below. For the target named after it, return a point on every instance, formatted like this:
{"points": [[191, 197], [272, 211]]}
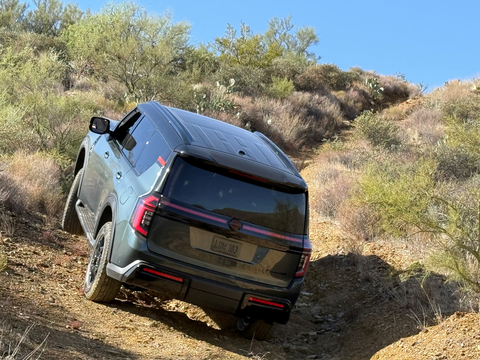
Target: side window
{"points": [[133, 145], [126, 125], [156, 150]]}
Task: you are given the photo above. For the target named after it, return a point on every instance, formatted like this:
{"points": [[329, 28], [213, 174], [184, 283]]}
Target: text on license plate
{"points": [[224, 246]]}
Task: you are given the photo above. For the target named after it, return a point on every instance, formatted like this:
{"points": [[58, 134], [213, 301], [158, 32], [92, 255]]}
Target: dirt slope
{"points": [[351, 307]]}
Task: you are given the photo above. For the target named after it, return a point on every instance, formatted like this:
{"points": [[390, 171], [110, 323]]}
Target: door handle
{"points": [[106, 155], [119, 175]]}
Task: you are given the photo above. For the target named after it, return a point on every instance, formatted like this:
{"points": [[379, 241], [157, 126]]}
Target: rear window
{"points": [[236, 196]]}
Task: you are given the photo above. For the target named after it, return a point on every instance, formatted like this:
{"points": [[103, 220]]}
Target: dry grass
{"points": [[32, 182], [334, 187], [396, 89], [453, 90], [301, 120], [15, 346], [424, 126], [3, 260]]}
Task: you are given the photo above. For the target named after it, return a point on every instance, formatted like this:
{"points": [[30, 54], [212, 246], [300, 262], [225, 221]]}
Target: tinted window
{"points": [[237, 197], [156, 150], [141, 134], [126, 125]]}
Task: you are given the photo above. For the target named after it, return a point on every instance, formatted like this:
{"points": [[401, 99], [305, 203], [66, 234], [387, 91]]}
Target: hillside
{"points": [[393, 177], [352, 305]]}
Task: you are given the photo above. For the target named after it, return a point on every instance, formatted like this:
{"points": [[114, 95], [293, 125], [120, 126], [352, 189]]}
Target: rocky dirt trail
{"points": [[350, 308]]}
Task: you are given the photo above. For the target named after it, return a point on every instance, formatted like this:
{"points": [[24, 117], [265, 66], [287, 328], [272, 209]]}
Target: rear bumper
{"points": [[267, 303]]}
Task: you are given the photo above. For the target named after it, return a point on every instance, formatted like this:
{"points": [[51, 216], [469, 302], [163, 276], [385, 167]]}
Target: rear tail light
{"points": [[266, 302], [163, 275], [143, 215], [304, 259]]}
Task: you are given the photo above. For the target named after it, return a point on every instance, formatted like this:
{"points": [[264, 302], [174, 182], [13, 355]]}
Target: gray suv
{"points": [[193, 207]]}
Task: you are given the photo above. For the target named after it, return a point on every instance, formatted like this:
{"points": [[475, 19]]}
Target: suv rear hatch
{"points": [[230, 222]]}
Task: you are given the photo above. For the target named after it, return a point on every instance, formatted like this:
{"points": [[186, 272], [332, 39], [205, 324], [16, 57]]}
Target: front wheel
{"points": [[98, 286], [70, 221], [254, 328]]}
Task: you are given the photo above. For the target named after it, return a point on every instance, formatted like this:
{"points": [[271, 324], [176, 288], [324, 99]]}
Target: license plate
{"points": [[227, 247]]}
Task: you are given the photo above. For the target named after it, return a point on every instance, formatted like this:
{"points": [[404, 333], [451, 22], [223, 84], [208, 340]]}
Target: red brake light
{"points": [[143, 214], [266, 302], [247, 176], [166, 276], [304, 259]]}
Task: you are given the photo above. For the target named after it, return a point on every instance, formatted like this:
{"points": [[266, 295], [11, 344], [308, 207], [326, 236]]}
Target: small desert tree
{"points": [[50, 17], [125, 43]]}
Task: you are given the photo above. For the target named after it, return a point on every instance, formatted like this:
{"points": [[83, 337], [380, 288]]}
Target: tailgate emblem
{"points": [[235, 224]]}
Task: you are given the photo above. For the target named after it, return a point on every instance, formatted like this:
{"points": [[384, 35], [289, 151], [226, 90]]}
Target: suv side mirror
{"points": [[99, 125]]}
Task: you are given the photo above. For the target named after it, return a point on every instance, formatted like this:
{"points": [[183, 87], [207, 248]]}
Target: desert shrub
{"points": [[32, 182], [281, 88], [456, 163], [38, 113], [323, 76], [374, 89], [353, 102], [215, 98], [59, 122], [464, 109], [320, 116], [248, 81], [397, 89], [334, 189], [23, 72], [377, 131], [294, 130], [12, 133], [359, 221], [324, 110], [125, 42], [288, 66], [301, 120], [452, 90], [455, 224], [397, 192], [424, 126], [253, 114], [459, 153]]}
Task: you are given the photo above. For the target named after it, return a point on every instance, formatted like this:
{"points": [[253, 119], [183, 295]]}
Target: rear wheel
{"points": [[254, 328], [98, 286], [70, 221]]}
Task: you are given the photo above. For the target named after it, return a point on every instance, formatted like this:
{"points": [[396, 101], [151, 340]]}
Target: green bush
{"points": [[463, 109], [125, 42], [454, 221], [281, 88], [397, 192], [377, 131], [216, 98], [289, 66], [248, 81]]}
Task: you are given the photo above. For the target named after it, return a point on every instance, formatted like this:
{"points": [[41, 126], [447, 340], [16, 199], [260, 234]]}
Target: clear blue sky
{"points": [[427, 41]]}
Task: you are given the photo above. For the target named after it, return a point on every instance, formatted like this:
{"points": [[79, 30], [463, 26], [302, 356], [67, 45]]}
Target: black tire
{"points": [[98, 286], [254, 328], [70, 220]]}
